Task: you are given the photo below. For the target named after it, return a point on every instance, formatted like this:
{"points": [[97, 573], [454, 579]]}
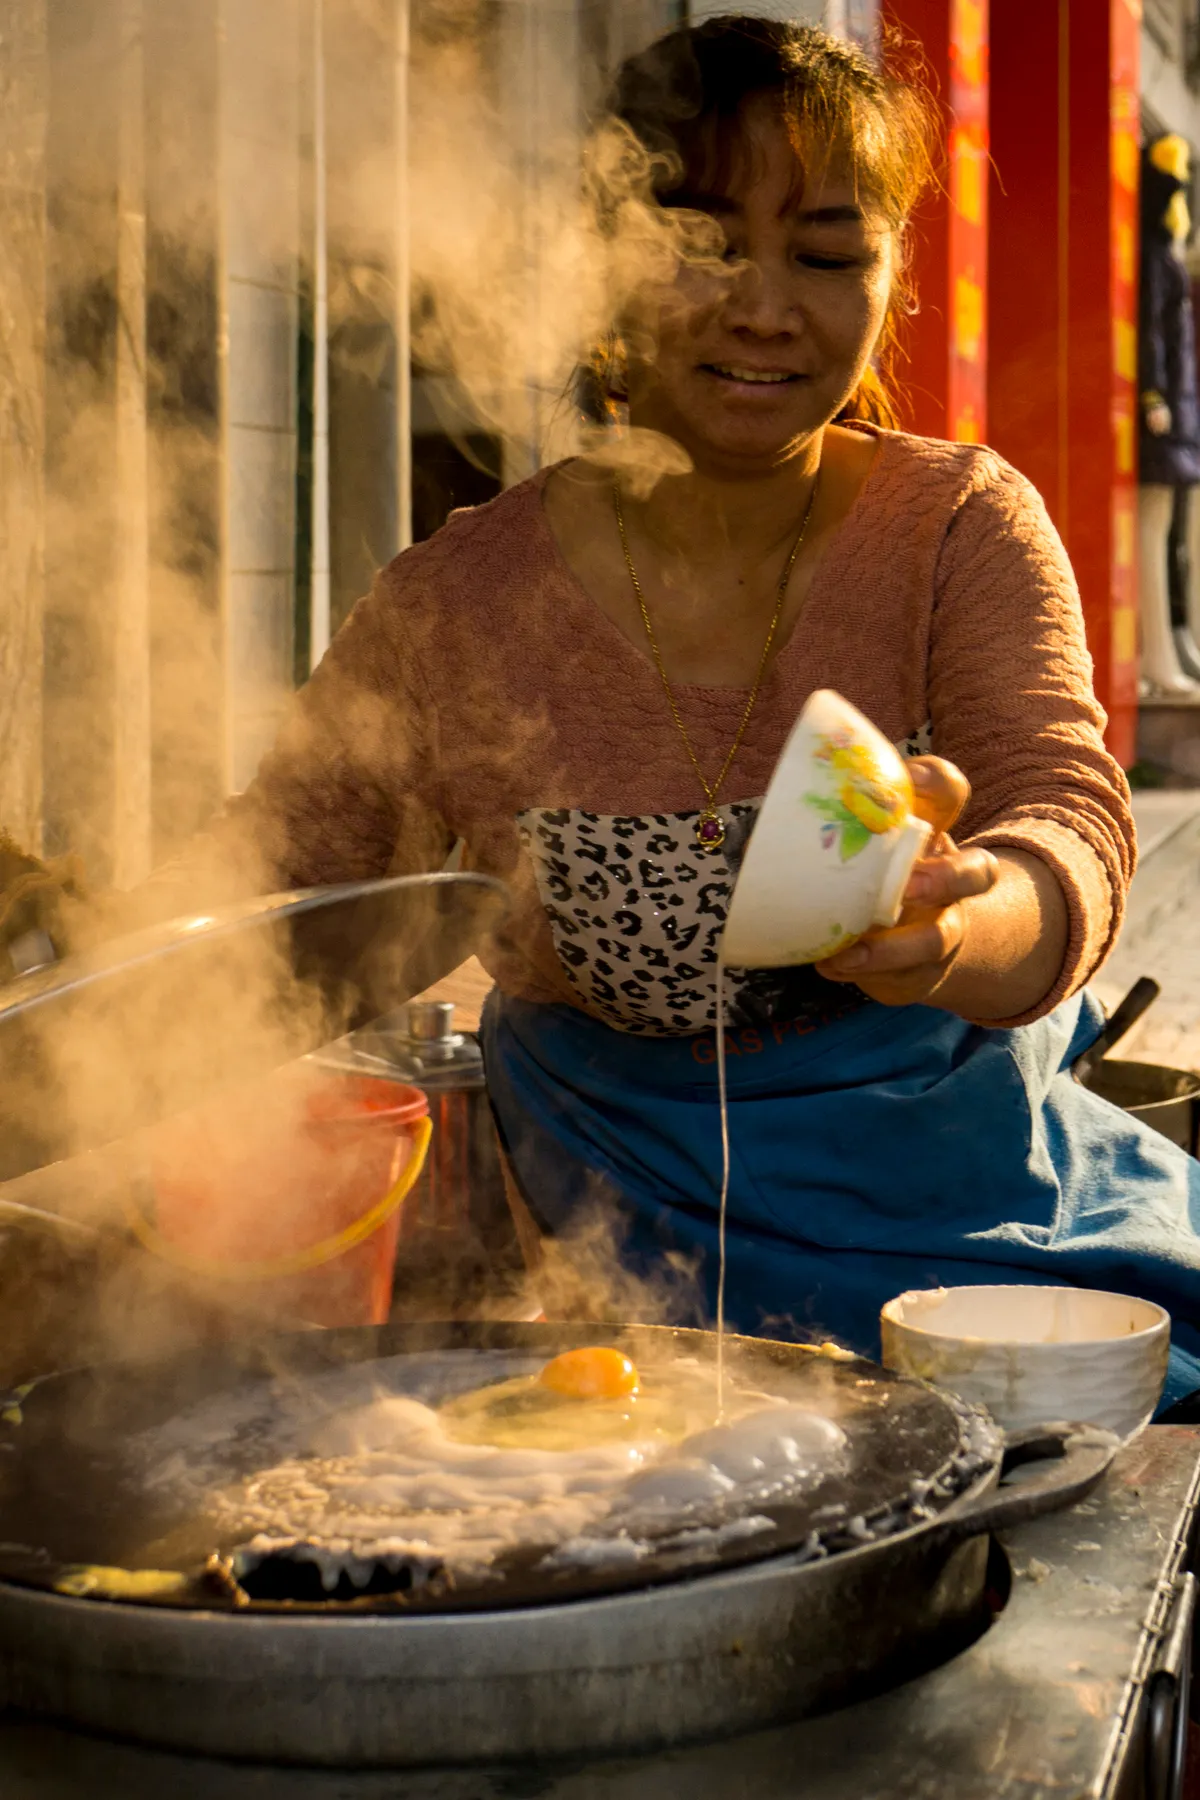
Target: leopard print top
{"points": [[637, 912]]}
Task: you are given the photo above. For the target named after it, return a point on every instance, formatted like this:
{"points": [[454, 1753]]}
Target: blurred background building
{"points": [[213, 427]]}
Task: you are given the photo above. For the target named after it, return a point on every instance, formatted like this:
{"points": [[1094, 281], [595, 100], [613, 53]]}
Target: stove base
{"points": [[1051, 1701]]}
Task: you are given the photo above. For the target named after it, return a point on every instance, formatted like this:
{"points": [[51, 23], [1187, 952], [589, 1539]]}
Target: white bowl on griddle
{"points": [[1033, 1354]]}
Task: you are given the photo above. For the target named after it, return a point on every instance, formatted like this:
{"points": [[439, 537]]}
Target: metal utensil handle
{"points": [[36, 1216], [1167, 1700], [189, 934], [1141, 995], [1077, 1456]]}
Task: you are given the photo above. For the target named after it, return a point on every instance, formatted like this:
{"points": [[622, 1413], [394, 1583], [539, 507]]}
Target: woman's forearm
{"points": [[984, 933], [1014, 942]]}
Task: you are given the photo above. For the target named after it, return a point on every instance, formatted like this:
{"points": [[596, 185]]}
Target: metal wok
{"points": [[1166, 1099], [865, 1580]]}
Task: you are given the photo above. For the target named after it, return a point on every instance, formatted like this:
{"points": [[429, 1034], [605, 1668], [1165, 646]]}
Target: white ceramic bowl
{"points": [[833, 846], [1034, 1354]]}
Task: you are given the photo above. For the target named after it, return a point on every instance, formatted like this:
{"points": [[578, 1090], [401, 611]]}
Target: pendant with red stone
{"points": [[710, 831]]}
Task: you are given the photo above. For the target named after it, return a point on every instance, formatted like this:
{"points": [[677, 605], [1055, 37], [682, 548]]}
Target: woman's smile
{"points": [[754, 383]]}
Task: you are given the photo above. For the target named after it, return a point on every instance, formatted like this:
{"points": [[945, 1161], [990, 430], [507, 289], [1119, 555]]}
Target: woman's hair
{"points": [[684, 101]]}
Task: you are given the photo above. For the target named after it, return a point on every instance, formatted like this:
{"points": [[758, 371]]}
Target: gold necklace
{"points": [[710, 826]]}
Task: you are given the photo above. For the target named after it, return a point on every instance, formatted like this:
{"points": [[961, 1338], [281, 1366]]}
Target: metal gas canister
{"points": [[447, 1065], [457, 1234]]}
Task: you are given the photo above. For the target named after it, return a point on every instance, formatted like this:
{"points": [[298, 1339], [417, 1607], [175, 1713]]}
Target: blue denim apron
{"points": [[893, 1148]]}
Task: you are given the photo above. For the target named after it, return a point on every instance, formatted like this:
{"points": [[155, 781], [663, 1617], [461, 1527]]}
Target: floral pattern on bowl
{"points": [[866, 803]]}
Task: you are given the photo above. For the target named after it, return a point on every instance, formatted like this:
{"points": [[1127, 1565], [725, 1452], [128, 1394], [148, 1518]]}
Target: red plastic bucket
{"points": [[293, 1188]]}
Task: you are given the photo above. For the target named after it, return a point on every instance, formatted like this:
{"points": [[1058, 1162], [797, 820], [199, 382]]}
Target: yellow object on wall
{"points": [[968, 318]]}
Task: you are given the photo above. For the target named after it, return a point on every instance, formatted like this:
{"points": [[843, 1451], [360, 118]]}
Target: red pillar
{"points": [[946, 375], [1062, 366]]}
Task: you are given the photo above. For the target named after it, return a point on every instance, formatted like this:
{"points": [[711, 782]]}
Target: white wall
{"points": [[846, 18], [260, 195], [808, 12], [1165, 92], [23, 80], [22, 413]]}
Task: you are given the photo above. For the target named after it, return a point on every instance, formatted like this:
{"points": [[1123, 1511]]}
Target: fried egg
{"points": [[582, 1398], [585, 1451], [456, 1459]]}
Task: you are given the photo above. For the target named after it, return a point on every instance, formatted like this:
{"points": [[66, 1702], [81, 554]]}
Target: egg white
{"points": [[397, 1472]]}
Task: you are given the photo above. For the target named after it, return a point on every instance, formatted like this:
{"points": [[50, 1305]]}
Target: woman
{"points": [[589, 684]]}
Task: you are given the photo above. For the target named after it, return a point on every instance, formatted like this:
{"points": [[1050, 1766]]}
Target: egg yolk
{"points": [[593, 1373]]}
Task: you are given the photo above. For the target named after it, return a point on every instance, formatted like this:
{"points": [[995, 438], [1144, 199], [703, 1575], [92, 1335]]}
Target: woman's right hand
{"points": [[907, 964]]}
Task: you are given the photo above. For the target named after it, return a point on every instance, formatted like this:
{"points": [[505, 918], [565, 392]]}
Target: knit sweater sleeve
{"points": [[1012, 703], [346, 791]]}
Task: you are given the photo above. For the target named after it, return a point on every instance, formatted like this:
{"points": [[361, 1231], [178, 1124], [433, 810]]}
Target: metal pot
{"points": [[1168, 1100], [728, 1641]]}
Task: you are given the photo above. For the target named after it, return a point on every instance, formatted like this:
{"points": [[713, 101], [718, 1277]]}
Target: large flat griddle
{"points": [[760, 1631], [72, 1491]]}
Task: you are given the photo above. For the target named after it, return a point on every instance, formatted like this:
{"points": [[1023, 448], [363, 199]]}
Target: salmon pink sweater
{"points": [[479, 693]]}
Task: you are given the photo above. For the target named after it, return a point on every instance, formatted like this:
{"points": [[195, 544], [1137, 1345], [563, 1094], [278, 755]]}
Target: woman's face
{"points": [[741, 362]]}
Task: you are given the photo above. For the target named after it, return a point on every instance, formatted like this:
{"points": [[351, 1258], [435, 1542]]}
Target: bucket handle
{"points": [[299, 1261]]}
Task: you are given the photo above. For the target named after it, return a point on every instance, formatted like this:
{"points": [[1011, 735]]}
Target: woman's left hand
{"points": [[906, 965]]}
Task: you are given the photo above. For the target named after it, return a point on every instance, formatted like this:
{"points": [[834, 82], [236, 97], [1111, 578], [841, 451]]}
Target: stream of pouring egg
{"points": [[723, 1101]]}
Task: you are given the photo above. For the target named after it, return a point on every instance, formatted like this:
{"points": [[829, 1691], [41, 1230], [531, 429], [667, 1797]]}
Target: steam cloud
{"points": [[527, 237]]}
